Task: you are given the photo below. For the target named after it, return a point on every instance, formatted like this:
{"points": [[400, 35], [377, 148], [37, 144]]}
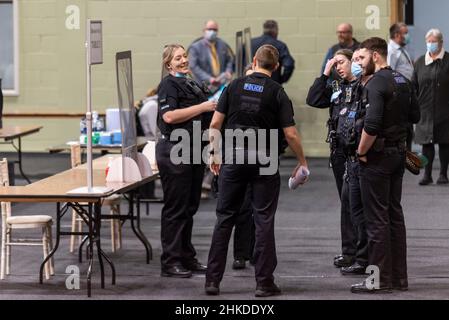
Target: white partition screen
{"points": [[126, 105]]}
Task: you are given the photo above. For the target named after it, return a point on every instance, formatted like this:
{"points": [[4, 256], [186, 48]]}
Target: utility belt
{"points": [[381, 145]]}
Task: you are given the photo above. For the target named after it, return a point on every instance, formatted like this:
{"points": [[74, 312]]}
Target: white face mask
{"points": [[210, 35]]}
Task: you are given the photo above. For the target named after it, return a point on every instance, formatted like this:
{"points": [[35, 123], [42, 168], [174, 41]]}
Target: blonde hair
{"points": [[168, 54]]}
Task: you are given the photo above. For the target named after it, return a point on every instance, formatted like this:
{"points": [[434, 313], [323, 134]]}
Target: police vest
{"points": [[397, 110], [351, 118], [254, 105]]}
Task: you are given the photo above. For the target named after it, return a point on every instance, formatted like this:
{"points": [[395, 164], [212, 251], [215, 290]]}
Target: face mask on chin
{"points": [[211, 35]]}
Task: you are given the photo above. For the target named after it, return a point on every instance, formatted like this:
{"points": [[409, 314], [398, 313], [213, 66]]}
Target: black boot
{"points": [[442, 179], [426, 180]]}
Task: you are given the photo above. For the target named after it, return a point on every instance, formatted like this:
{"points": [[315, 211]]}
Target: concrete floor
{"points": [[307, 235]]}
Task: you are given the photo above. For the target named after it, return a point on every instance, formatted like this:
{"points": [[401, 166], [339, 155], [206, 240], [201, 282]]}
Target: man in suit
{"points": [[211, 59]]}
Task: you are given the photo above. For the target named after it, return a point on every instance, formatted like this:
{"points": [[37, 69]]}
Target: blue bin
{"points": [[116, 137], [105, 138]]}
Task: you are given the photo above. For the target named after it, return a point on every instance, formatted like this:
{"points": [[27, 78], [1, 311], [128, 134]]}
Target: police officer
{"points": [[337, 97], [181, 104], [381, 153], [350, 125], [251, 103]]}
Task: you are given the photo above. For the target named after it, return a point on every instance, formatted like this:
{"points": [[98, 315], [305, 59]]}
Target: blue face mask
{"points": [[356, 70], [407, 39], [432, 47], [181, 75]]}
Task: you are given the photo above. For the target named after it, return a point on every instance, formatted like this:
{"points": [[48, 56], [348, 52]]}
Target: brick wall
{"points": [[52, 71]]}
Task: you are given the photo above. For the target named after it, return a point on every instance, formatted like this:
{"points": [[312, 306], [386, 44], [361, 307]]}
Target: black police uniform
{"points": [[286, 61], [251, 102], [391, 106], [181, 183], [244, 237], [349, 131], [335, 97]]}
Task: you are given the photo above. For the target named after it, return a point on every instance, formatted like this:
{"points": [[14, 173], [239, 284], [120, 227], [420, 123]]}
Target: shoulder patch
{"points": [[400, 80]]}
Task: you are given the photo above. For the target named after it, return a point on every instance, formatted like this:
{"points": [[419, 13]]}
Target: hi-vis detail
{"points": [[253, 87]]}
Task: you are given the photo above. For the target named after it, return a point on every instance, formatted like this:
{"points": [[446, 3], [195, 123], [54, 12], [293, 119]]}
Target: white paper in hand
{"points": [[300, 178]]}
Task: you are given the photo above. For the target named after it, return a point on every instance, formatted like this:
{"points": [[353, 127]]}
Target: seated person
{"points": [[147, 115]]}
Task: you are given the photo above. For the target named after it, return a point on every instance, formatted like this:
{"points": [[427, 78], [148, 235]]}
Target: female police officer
{"points": [[337, 97], [181, 104]]}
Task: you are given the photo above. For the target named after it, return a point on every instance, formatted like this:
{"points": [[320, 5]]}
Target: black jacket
{"points": [[432, 86], [286, 61]]}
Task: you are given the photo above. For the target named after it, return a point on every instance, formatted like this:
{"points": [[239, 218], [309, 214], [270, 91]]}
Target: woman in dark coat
{"points": [[431, 80]]}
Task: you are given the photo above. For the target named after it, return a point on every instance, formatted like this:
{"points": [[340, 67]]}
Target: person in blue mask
{"points": [[431, 81], [211, 58], [399, 60]]}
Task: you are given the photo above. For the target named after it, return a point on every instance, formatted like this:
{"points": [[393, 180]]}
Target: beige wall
{"points": [[52, 71]]}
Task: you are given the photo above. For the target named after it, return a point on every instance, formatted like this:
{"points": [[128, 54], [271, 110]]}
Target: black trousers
{"points": [[381, 185], [181, 185], [348, 235], [357, 215], [428, 150], [244, 231], [232, 182]]}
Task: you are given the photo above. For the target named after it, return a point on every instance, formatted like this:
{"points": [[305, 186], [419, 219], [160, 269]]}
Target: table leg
{"points": [[148, 246], [137, 231], [19, 152], [109, 261], [58, 235], [97, 219], [91, 254], [80, 249]]}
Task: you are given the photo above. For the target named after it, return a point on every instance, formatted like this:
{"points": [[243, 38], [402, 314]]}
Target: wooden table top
{"points": [[55, 188], [9, 133], [141, 142]]}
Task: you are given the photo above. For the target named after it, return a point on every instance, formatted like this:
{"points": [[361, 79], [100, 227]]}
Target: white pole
{"points": [[89, 112]]}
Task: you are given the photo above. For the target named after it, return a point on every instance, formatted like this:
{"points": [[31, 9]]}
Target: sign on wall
{"points": [[96, 42]]}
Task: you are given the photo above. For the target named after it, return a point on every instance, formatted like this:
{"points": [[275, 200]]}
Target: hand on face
{"points": [[329, 65]]}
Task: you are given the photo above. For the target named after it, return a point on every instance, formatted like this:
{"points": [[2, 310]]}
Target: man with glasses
{"points": [[345, 41]]}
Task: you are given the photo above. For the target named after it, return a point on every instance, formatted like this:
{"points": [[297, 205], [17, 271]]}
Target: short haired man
{"points": [[251, 104], [286, 62], [398, 58], [381, 153], [345, 41]]}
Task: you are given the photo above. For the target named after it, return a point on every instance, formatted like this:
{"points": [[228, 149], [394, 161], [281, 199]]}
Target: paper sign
{"points": [[95, 41]]}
